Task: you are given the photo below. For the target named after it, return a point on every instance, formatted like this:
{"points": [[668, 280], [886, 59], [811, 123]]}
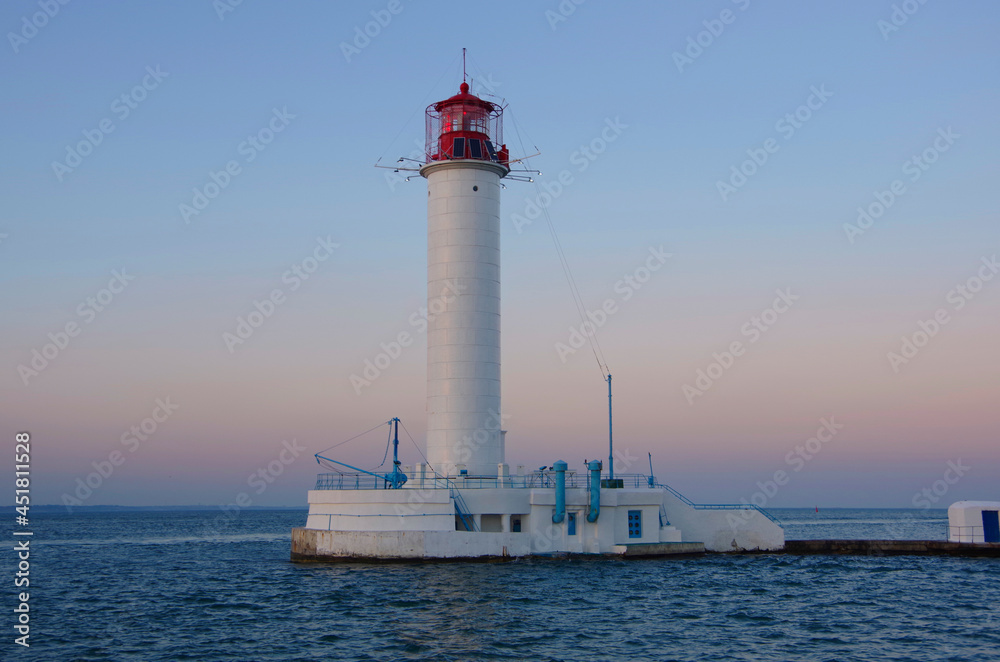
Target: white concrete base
{"points": [[416, 522], [312, 545]]}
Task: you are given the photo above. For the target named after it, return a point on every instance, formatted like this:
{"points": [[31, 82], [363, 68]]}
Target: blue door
{"points": [[991, 526]]}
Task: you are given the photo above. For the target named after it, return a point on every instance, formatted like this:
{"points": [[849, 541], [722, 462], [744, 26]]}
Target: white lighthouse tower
{"points": [[464, 502], [465, 161]]}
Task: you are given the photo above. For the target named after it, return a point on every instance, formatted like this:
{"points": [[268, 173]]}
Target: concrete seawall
{"points": [[391, 546], [891, 548], [333, 546]]}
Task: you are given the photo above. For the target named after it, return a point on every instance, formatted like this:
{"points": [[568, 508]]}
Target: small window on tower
{"points": [[475, 149], [458, 149]]}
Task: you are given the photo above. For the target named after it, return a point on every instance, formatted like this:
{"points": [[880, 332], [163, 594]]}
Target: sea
{"points": [[201, 585]]}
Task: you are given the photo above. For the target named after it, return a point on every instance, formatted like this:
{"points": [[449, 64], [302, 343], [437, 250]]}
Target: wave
{"points": [[172, 540]]}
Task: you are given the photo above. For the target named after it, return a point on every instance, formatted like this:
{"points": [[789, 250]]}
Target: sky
{"points": [[790, 209]]}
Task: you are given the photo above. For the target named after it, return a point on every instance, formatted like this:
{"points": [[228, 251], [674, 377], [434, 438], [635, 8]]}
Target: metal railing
{"points": [[351, 481], [359, 481], [966, 533], [537, 479], [462, 511], [719, 506]]}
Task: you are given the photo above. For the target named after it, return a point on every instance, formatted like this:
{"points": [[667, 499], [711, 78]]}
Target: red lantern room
{"points": [[465, 127]]}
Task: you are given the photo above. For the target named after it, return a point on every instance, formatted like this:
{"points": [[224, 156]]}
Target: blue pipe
{"points": [[595, 490], [560, 469]]}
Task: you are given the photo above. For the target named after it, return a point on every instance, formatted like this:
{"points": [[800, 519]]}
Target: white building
{"points": [[974, 521], [465, 501]]}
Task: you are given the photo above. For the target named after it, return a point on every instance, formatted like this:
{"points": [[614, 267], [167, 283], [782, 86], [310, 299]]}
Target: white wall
{"points": [[724, 530], [381, 510]]}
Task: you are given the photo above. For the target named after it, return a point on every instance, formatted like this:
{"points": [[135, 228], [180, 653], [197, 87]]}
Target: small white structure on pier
{"points": [[464, 501], [974, 521]]}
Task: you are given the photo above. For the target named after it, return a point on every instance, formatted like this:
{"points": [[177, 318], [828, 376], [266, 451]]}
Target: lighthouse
{"points": [[465, 161], [463, 501]]}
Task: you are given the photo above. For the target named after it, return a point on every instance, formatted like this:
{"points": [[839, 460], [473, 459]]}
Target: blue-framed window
{"points": [[635, 524], [515, 524], [571, 524]]}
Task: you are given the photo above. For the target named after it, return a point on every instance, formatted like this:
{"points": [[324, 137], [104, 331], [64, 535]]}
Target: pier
{"points": [[891, 548]]}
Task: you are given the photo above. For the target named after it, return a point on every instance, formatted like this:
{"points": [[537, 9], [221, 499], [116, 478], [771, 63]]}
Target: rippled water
{"points": [[176, 586]]}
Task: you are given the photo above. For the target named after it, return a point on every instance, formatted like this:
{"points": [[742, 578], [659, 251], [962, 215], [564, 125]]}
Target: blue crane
{"points": [[395, 478]]}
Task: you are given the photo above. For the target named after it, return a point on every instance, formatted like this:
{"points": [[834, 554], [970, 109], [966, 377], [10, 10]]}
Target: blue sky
{"points": [[223, 75]]}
